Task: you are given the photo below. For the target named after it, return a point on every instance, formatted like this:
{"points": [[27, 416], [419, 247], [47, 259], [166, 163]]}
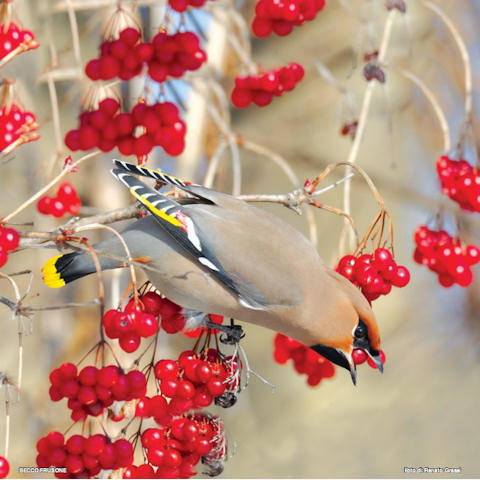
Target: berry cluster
{"points": [[359, 356], [92, 389], [280, 16], [166, 55], [83, 457], [305, 360], [106, 129], [121, 58], [12, 37], [9, 240], [260, 89], [446, 256], [174, 54], [460, 181], [374, 274], [194, 381], [65, 201], [176, 449], [136, 321], [182, 5], [17, 126]]}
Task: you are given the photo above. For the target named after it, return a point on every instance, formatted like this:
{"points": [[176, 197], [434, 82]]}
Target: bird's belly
{"points": [[192, 288]]}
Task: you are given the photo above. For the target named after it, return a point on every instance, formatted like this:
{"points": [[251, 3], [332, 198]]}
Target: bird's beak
{"points": [[376, 359], [338, 357]]}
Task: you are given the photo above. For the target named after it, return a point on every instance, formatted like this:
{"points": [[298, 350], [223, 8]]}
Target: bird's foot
{"points": [[231, 334]]}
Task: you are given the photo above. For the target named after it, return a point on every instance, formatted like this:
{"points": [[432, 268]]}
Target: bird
{"points": [[211, 252]]}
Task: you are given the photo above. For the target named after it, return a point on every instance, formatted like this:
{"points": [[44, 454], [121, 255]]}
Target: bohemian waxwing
{"points": [[211, 252]]}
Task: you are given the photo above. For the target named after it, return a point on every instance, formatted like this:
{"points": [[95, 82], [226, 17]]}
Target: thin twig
{"points": [[46, 188], [95, 226], [442, 119], [362, 121], [463, 52]]}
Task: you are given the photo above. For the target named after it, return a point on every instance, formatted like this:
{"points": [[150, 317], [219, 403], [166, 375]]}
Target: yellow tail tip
{"points": [[51, 277]]}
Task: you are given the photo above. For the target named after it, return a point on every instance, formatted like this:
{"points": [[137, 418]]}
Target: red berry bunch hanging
{"points": [[359, 356], [83, 457], [446, 256], [92, 389], [279, 16], [194, 381], [175, 54], [4, 467], [9, 240], [305, 360], [131, 325], [65, 201], [166, 55], [118, 58], [176, 449], [460, 181], [106, 129], [12, 37], [17, 126], [375, 274], [260, 89]]}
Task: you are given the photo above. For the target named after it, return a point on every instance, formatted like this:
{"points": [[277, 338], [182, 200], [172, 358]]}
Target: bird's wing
{"points": [[174, 218], [208, 195]]}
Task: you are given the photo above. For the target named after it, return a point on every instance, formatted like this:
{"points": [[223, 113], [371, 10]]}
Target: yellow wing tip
{"points": [[51, 277]]}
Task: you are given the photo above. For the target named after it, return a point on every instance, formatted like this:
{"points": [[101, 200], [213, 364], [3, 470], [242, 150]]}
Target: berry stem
{"points": [[46, 188], [127, 251], [362, 122], [442, 120], [463, 53]]}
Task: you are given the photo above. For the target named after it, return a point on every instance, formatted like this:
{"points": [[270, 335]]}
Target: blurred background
{"points": [[423, 411]]}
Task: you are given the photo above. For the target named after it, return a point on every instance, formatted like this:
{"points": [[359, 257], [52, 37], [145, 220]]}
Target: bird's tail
{"points": [[63, 269]]}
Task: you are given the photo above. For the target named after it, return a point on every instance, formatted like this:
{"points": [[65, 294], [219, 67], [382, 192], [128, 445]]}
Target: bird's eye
{"points": [[360, 331]]}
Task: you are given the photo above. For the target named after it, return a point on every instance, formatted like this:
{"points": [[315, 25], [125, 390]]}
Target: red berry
{"points": [[137, 382], [169, 387], [108, 376], [152, 303], [130, 36], [95, 445], [185, 389], [156, 456], [129, 342], [109, 106], [215, 387], [166, 370], [75, 444], [359, 356], [57, 208], [67, 193], [261, 28], [147, 326], [44, 205], [9, 239], [92, 69], [401, 278], [4, 467], [241, 98], [88, 376]]}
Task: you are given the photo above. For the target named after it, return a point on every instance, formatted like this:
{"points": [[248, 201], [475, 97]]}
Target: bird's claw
{"points": [[232, 334]]}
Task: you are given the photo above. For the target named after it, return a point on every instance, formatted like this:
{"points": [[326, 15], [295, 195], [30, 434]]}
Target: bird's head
{"points": [[353, 326]]}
